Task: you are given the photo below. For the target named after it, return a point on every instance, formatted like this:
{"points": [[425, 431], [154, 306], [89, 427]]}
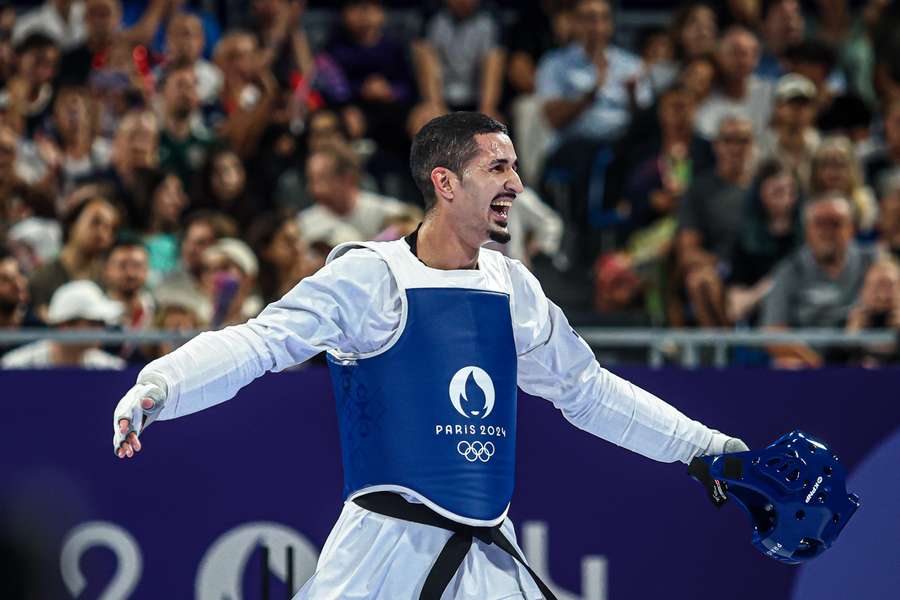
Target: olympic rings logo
{"points": [[476, 450]]}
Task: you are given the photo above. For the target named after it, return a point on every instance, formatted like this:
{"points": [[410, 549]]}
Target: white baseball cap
{"points": [[82, 299], [237, 252]]}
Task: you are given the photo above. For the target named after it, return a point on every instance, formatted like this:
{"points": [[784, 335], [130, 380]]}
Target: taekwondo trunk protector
{"points": [[435, 413]]}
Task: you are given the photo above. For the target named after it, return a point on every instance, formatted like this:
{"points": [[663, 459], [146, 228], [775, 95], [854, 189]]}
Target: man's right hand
{"points": [[135, 411]]}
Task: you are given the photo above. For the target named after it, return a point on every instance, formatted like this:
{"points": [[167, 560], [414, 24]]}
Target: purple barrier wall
{"points": [[185, 519]]}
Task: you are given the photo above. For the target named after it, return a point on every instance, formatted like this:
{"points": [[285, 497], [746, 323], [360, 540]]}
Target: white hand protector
{"points": [[130, 408], [724, 444]]}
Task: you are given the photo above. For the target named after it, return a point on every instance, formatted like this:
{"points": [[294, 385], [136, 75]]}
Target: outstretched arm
{"points": [[556, 364], [328, 310]]}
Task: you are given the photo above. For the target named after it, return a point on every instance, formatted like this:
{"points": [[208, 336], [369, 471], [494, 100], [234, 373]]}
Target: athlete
{"points": [[427, 339]]}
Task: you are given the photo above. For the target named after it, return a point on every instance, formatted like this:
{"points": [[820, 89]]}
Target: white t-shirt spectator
{"points": [[37, 356], [461, 46], [757, 105]]}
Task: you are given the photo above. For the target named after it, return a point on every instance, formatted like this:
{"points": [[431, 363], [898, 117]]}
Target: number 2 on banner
{"points": [[101, 533]]}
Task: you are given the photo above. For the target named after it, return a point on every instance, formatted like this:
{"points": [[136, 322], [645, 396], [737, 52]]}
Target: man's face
{"points": [[738, 54], [184, 38], [198, 237], [676, 111], [180, 93], [593, 22], [829, 230], [101, 18], [126, 270], [784, 24], [228, 176], [889, 217], [326, 186], [94, 230], [484, 192], [733, 148], [38, 65], [140, 139], [324, 129], [462, 8], [13, 287], [364, 21], [795, 114], [881, 289]]}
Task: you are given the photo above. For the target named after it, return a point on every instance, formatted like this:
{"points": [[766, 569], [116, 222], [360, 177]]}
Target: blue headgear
{"points": [[794, 492]]}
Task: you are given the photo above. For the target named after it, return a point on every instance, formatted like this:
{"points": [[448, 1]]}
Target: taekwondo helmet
{"points": [[794, 492]]}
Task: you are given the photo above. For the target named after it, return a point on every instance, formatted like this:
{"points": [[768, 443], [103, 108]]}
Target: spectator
{"points": [[135, 153], [184, 45], [61, 20], [223, 188], [878, 308], [184, 283], [738, 88], [782, 27], [31, 91], [818, 284], [124, 277], [534, 34], [835, 169], [619, 292], [332, 176], [229, 280], [103, 32], [89, 230], [279, 33], [792, 139], [885, 162], [166, 203], [248, 94], [584, 85], [75, 306], [75, 151], [175, 316], [13, 292], [771, 230], [709, 219], [379, 72], [889, 217], [183, 142], [693, 33], [658, 167], [467, 59], [18, 199], [284, 257]]}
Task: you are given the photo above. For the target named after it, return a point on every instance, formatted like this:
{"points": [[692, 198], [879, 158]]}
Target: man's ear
{"points": [[444, 181]]}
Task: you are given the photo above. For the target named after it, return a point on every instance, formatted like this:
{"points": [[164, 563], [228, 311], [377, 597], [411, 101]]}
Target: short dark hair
{"points": [[126, 239], [812, 51], [447, 141], [36, 40]]}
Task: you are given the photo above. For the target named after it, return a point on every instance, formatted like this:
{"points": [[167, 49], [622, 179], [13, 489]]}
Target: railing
{"points": [[685, 345]]}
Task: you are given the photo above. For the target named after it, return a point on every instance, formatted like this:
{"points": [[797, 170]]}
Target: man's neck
{"points": [[834, 268], [349, 206], [736, 88], [740, 179], [10, 319], [439, 246], [131, 302]]}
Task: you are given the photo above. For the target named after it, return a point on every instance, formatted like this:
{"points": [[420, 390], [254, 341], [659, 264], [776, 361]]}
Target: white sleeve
{"points": [[351, 305], [557, 364]]}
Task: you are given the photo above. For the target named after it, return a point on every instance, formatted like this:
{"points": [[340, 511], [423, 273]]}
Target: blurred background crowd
{"points": [[179, 164]]}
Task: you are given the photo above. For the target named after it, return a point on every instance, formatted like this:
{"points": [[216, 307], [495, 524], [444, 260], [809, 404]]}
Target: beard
{"points": [[8, 306], [501, 236]]}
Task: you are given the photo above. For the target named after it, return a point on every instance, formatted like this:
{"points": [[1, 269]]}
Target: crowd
{"points": [[177, 165]]}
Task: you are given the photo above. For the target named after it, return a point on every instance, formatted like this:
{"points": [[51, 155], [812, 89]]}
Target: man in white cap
{"points": [[77, 305], [792, 139], [230, 270]]}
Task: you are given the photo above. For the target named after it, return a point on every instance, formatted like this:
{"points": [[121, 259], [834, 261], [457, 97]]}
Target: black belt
{"points": [[454, 551]]}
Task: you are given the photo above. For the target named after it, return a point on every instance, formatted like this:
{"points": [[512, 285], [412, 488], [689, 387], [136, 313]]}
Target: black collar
{"points": [[413, 241]]}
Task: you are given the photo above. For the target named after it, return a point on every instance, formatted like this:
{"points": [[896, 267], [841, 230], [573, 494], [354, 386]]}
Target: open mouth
{"points": [[500, 208]]}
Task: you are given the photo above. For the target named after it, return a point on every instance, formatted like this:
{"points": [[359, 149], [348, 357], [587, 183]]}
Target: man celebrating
{"points": [[406, 323]]}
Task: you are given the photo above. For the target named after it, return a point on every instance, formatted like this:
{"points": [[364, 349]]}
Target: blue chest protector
{"points": [[435, 413]]}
